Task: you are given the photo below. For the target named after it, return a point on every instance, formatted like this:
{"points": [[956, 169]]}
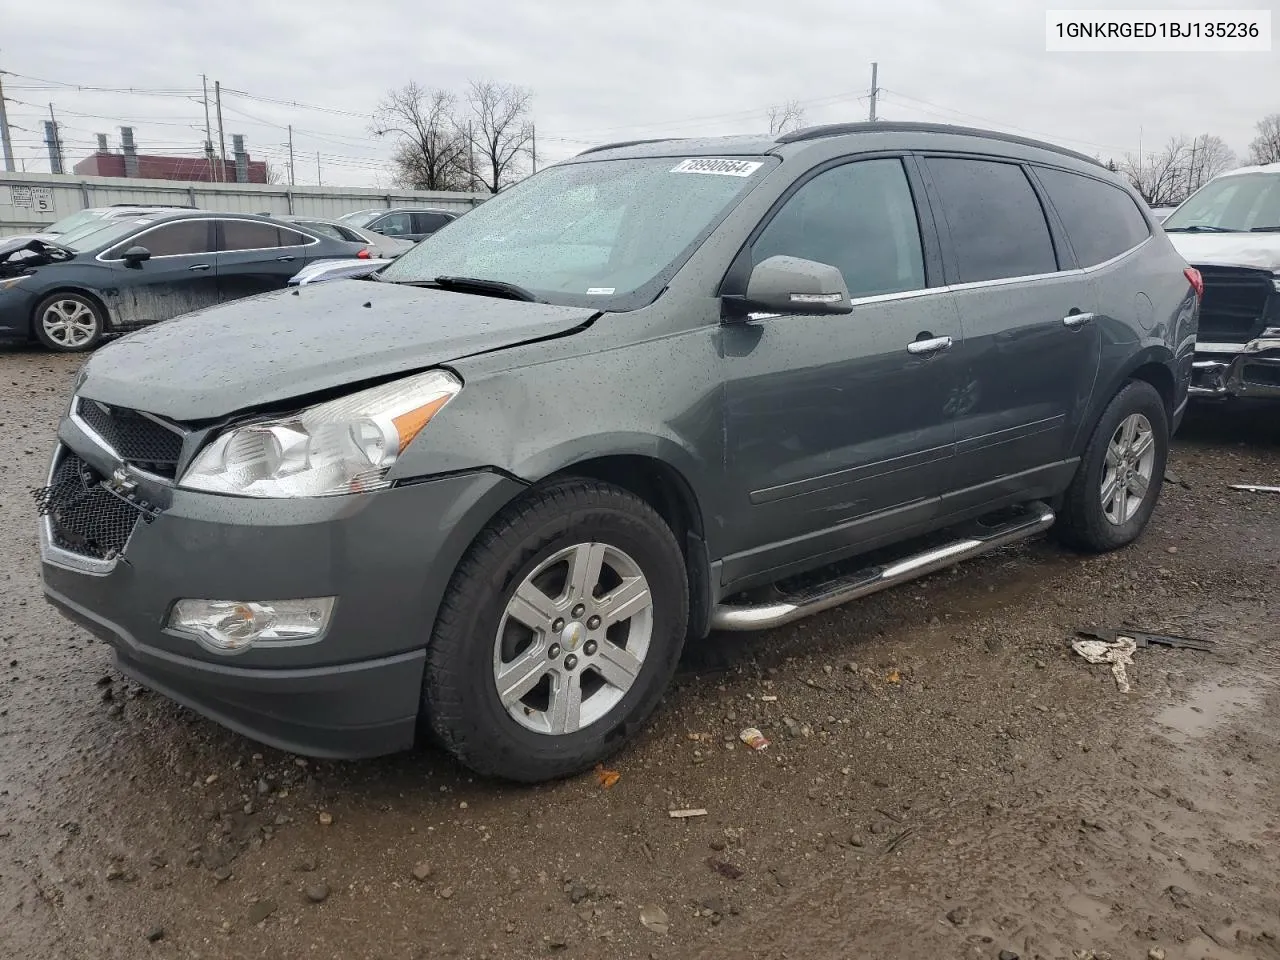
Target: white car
{"points": [[1229, 230]]}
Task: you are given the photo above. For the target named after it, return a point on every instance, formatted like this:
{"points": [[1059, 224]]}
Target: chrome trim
{"points": [[103, 258], [51, 553], [1219, 347], [1077, 320], [927, 348], [980, 539], [1225, 377]]}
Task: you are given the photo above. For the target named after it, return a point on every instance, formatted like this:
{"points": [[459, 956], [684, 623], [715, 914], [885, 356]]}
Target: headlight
{"points": [[341, 446], [10, 281]]}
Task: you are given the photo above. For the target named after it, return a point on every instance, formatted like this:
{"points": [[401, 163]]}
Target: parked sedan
{"points": [[68, 294], [405, 223], [376, 244], [95, 217]]}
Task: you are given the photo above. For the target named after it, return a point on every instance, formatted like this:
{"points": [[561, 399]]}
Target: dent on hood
{"points": [[1258, 250]]}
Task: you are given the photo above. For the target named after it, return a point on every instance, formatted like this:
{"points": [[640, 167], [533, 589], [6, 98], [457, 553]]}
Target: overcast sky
{"points": [[598, 72]]}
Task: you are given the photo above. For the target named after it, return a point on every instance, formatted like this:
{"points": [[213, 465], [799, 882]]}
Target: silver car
{"points": [[379, 247]]}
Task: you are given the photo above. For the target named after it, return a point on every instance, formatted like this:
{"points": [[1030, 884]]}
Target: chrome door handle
{"points": [[925, 348], [1074, 320], [285, 259], [199, 266]]}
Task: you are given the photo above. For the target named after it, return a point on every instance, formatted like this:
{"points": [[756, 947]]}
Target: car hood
{"points": [[292, 343], [1260, 250]]}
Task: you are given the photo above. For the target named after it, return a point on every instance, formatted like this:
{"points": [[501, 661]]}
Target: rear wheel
{"points": [[1118, 481], [69, 323], [558, 634]]}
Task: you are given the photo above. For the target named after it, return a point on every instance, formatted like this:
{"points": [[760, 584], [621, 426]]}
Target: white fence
{"points": [[29, 201]]}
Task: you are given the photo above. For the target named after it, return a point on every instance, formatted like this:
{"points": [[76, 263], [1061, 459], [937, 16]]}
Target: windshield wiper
{"points": [[1199, 228], [494, 287], [1275, 229]]}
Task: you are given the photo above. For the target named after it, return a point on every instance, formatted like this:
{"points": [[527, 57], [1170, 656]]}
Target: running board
{"points": [[976, 538]]}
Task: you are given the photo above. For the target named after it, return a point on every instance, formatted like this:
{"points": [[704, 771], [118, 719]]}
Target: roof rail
{"points": [[625, 143], [895, 126]]}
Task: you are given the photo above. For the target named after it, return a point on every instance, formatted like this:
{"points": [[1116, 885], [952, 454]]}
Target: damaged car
{"points": [[67, 294], [1229, 230]]}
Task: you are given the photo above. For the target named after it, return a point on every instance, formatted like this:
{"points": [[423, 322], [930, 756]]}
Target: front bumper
{"points": [[352, 692], [1238, 370]]}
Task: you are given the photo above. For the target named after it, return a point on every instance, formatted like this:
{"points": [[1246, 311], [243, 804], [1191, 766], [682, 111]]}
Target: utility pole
{"points": [[318, 183], [55, 144], [291, 183], [875, 89], [208, 132], [222, 140], [533, 137], [5, 142]]}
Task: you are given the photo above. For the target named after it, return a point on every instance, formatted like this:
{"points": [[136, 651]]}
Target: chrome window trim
{"points": [[103, 258], [53, 554], [290, 226]]}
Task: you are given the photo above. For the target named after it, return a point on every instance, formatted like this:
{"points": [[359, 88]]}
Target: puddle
{"points": [[1210, 706]]}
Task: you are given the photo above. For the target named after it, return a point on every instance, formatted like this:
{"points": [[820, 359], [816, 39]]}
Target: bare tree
{"points": [[430, 150], [500, 130], [1184, 165], [273, 173], [788, 116], [1265, 147], [1207, 157]]}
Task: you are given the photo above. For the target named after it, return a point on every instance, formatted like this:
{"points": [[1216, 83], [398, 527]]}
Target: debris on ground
{"points": [[422, 871], [606, 778], [325, 818], [654, 918], [769, 698], [1254, 488], [1143, 640], [894, 677], [726, 870], [1118, 653], [685, 814], [754, 739]]}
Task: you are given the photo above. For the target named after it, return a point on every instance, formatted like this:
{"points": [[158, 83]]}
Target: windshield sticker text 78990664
{"points": [[715, 165]]}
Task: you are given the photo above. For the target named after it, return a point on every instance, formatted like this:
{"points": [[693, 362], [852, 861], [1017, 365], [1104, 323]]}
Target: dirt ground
{"points": [[946, 778]]}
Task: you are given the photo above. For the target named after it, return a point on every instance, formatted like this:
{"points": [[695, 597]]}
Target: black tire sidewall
{"points": [[1099, 532], [37, 322], [498, 744]]}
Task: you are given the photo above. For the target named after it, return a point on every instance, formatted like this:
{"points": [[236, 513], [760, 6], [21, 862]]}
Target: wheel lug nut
{"points": [[558, 625], [578, 611], [593, 623], [570, 662], [590, 648], [554, 651]]}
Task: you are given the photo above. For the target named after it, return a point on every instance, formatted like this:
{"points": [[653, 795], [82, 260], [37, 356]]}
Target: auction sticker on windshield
{"points": [[724, 168]]}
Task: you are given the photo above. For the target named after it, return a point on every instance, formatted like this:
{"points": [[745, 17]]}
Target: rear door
{"points": [[179, 277], [1031, 339], [255, 256]]}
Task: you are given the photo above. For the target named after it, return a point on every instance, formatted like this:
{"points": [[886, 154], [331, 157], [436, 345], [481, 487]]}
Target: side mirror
{"points": [[135, 256], [796, 285]]}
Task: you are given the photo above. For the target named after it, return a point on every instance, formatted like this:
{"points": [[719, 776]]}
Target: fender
{"points": [[1152, 351]]}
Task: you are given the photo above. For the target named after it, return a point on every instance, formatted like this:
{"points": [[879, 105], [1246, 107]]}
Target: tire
{"points": [[1088, 523], [69, 322], [534, 546]]}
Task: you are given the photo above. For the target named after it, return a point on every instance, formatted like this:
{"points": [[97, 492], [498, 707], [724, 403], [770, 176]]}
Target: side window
{"points": [[858, 217], [429, 222], [342, 233], [332, 231], [292, 238], [997, 225], [1102, 221], [173, 239], [249, 235], [394, 224]]}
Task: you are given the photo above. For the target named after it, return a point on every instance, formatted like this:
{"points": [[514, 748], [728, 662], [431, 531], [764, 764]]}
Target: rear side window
{"points": [[249, 235], [429, 222], [997, 225], [394, 224], [292, 238], [328, 230], [859, 218], [1102, 221]]}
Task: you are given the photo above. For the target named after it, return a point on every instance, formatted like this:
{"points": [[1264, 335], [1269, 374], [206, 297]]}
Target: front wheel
{"points": [[558, 634], [69, 323], [1118, 481]]}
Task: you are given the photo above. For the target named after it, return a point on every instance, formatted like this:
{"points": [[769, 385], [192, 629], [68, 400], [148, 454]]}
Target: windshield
{"points": [[1242, 202], [90, 236], [67, 224], [607, 233], [360, 217]]}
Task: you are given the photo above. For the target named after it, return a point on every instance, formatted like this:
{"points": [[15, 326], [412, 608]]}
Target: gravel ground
{"points": [[946, 778]]}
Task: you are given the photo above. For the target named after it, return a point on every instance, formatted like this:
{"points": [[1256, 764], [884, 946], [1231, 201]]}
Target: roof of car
{"points": [[789, 144], [1257, 168]]}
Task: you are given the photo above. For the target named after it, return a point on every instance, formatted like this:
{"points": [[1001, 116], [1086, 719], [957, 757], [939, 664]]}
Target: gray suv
{"points": [[662, 389]]}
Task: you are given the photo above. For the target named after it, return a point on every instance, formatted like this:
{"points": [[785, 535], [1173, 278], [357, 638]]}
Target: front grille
{"points": [[84, 516], [1235, 303], [136, 438]]}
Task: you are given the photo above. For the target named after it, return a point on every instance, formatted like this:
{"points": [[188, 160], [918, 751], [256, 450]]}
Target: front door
{"points": [[255, 256], [1031, 339], [178, 278], [832, 422]]}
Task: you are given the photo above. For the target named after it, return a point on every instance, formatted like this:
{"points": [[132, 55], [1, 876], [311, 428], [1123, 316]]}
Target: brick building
{"points": [[128, 162]]}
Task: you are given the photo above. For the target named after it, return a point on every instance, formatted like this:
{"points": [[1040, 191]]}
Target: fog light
{"points": [[233, 625]]}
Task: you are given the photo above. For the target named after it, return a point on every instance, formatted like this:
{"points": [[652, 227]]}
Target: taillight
{"points": [[1196, 281], [365, 255]]}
